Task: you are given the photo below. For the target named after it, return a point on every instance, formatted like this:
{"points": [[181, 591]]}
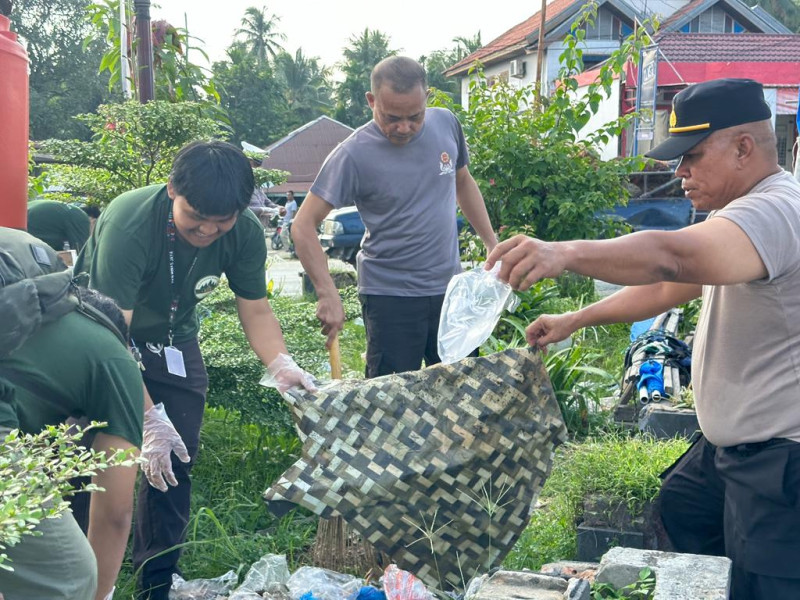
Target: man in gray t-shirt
{"points": [[407, 172], [735, 492]]}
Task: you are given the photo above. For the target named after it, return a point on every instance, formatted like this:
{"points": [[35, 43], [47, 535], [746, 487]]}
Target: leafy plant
{"points": [[35, 474], [36, 181], [133, 145], [176, 78], [641, 589], [577, 386]]}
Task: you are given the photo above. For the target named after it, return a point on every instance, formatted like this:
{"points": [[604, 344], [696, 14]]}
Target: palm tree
{"points": [[466, 45], [364, 52], [259, 30], [307, 84]]}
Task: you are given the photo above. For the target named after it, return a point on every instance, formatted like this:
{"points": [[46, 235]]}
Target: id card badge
{"points": [[174, 358]]}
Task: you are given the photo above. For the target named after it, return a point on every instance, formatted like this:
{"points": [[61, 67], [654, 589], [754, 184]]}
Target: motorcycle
{"points": [[283, 237]]}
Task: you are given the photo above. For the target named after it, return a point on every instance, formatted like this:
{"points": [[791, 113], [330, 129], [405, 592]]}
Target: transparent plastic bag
{"points": [[473, 303], [201, 589], [323, 584], [269, 574]]}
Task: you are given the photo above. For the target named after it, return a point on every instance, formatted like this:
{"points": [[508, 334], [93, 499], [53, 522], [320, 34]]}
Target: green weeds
{"points": [[613, 465]]}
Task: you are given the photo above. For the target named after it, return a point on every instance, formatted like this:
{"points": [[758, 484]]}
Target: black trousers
{"points": [[161, 517], [742, 502], [401, 332]]}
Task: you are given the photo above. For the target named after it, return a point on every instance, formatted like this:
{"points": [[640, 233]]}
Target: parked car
{"points": [[341, 232], [659, 203]]}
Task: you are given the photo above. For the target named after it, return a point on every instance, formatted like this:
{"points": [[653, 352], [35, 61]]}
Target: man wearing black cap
{"points": [[736, 492]]}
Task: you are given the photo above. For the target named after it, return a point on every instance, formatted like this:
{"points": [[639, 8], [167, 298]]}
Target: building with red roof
{"points": [[302, 153], [698, 40]]}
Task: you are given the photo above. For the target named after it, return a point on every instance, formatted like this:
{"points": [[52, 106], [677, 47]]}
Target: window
{"points": [[714, 20], [607, 26]]}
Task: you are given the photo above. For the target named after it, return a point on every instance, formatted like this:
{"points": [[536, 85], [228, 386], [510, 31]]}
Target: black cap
{"points": [[700, 110]]}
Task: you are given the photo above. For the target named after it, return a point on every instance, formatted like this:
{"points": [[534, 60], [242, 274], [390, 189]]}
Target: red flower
{"points": [[491, 181]]}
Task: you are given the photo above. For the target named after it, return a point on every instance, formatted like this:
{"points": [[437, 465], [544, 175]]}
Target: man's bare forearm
{"points": [[312, 257], [637, 259], [635, 303]]}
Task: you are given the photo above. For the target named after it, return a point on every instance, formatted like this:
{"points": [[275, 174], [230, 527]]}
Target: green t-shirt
{"points": [[127, 258], [78, 368], [57, 222]]}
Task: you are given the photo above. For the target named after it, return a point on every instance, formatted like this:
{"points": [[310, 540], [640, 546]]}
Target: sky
{"points": [[323, 27]]}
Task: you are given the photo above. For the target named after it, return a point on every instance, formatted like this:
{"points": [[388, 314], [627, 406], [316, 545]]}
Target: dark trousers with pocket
{"points": [[742, 502], [401, 332], [161, 517]]}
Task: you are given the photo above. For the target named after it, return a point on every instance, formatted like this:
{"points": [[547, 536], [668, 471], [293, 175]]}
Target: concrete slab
{"points": [[678, 576], [665, 421]]}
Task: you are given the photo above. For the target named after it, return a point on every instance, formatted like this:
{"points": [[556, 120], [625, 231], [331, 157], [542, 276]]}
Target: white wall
{"points": [[497, 69], [609, 111]]}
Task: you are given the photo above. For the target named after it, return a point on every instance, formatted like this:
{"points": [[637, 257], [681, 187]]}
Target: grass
{"points": [[614, 465], [230, 526]]}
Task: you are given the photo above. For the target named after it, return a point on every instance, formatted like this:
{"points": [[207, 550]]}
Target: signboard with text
{"points": [[646, 93]]}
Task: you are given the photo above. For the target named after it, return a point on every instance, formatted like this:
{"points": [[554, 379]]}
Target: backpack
{"points": [[36, 288]]}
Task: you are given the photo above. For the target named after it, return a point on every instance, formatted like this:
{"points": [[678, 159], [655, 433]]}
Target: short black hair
{"points": [[215, 178], [92, 210], [104, 304], [401, 73]]}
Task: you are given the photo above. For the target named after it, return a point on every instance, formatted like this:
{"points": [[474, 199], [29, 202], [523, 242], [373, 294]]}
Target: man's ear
{"points": [[370, 99], [170, 191], [745, 146]]}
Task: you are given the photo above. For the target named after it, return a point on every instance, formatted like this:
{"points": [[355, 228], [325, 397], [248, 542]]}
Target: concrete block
{"points": [[678, 576], [522, 585], [593, 542], [578, 589], [665, 422]]}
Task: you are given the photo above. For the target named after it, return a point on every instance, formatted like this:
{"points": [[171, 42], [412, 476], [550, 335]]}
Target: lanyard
{"points": [[176, 293]]}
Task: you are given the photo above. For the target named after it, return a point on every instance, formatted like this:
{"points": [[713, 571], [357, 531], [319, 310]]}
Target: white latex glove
{"points": [[110, 594], [160, 441], [285, 374]]}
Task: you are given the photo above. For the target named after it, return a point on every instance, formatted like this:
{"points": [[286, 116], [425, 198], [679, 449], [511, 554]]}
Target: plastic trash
{"points": [[473, 303], [247, 595], [201, 589], [370, 593], [402, 585], [323, 584], [639, 327], [267, 575]]}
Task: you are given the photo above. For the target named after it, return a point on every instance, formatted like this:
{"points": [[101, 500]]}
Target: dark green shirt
{"points": [[78, 369], [127, 258], [57, 222]]}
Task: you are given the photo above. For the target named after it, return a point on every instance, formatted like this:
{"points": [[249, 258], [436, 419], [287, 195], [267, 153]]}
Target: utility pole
{"points": [[124, 67], [144, 50], [540, 52]]}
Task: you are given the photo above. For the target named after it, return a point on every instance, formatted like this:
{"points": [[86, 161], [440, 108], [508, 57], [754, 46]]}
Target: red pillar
{"points": [[13, 129]]}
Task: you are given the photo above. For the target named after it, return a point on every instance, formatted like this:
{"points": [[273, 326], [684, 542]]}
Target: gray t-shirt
{"points": [[406, 196], [746, 358]]}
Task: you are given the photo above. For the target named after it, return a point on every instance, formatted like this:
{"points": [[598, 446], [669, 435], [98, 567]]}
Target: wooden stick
{"points": [[336, 359]]}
